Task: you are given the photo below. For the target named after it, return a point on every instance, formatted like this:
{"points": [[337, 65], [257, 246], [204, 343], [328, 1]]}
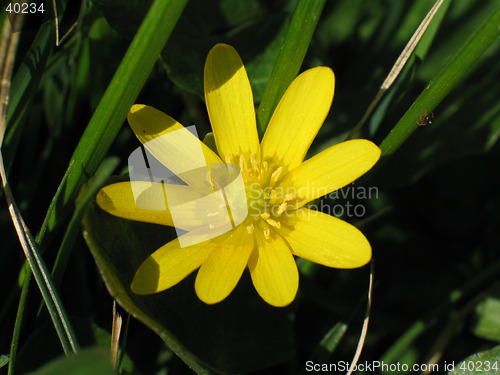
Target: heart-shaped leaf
{"points": [[484, 363], [239, 335]]}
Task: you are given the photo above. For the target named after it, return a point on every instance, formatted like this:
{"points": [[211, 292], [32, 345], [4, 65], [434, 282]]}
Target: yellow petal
{"points": [[298, 117], [326, 240], [173, 145], [220, 273], [119, 200], [168, 265], [331, 169], [179, 206], [230, 103], [273, 270]]}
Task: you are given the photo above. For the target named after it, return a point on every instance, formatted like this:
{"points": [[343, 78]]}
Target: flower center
{"points": [[267, 202]]}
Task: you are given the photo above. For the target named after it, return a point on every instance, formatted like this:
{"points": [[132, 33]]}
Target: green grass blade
{"points": [[112, 110], [18, 323], [26, 82], [444, 83], [40, 272], [418, 328], [107, 167], [24, 86], [51, 297], [328, 344], [294, 48]]}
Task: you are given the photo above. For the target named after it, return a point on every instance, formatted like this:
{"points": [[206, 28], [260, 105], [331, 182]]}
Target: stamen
{"points": [[274, 223], [250, 228], [265, 215], [243, 164], [212, 182], [254, 162], [289, 197], [265, 166], [282, 208], [267, 232], [275, 176]]}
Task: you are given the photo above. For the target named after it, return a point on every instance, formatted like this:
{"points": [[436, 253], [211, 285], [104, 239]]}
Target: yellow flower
{"points": [[278, 184]]}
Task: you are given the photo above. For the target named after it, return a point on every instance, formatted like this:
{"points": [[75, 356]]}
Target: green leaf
{"points": [[124, 16], [484, 363], [3, 360], [41, 347], [257, 40], [486, 319], [239, 335], [322, 353], [89, 361], [73, 229]]}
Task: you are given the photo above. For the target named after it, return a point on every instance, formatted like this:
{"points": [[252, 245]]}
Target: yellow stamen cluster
{"points": [[266, 201]]}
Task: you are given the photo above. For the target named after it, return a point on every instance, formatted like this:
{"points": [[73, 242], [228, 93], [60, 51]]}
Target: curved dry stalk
{"points": [[9, 42], [115, 337], [364, 330], [398, 66], [8, 48]]}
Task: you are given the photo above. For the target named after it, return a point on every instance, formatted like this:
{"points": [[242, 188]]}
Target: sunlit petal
{"points": [[273, 270], [168, 265], [171, 144], [325, 239], [331, 169], [220, 273], [119, 200], [230, 104], [246, 207], [298, 117]]}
